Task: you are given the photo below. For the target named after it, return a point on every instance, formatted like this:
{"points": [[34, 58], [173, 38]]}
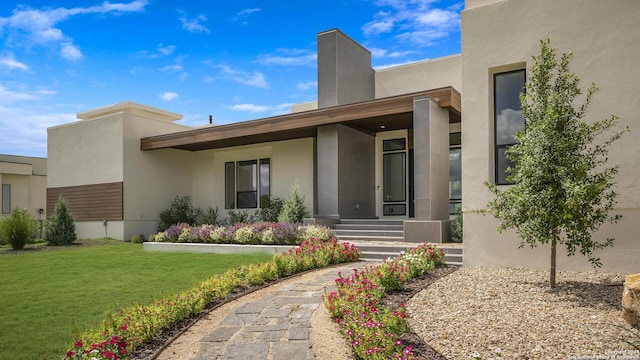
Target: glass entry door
{"points": [[394, 169]]}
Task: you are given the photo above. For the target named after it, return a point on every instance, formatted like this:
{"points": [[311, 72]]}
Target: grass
{"points": [[47, 297]]}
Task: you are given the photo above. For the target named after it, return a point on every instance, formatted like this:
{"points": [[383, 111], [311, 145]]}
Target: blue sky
{"points": [[237, 60]]}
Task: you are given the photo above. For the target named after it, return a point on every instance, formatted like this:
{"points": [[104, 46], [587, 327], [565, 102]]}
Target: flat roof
{"points": [[391, 113]]}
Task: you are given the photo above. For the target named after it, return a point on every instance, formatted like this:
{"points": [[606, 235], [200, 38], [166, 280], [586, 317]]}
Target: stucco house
{"points": [[407, 143], [24, 185]]}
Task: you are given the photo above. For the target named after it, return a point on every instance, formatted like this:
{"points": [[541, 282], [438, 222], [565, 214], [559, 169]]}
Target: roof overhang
{"points": [[385, 114]]}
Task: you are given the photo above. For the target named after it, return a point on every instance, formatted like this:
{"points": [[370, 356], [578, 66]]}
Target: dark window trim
{"points": [[234, 202], [6, 209], [497, 147]]}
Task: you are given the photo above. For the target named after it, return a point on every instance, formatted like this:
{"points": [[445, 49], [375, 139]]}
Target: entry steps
{"points": [[382, 239]]}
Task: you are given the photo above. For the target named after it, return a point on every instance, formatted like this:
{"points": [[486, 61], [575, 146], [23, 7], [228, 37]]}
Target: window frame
{"points": [[232, 183], [6, 198], [455, 202], [498, 148]]}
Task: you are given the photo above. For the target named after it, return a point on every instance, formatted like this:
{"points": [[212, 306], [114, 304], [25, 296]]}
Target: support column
{"points": [[431, 173]]}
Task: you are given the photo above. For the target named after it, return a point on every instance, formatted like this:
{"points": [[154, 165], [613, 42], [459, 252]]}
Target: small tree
{"points": [[17, 229], [562, 189], [60, 229], [181, 210], [293, 209]]}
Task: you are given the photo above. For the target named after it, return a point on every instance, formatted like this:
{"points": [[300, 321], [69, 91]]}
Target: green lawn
{"points": [[46, 297]]}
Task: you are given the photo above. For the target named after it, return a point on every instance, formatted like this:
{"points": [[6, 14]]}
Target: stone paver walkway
{"points": [[274, 327]]}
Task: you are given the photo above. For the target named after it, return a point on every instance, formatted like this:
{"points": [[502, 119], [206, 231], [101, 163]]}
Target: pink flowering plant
{"points": [[122, 331], [373, 331]]}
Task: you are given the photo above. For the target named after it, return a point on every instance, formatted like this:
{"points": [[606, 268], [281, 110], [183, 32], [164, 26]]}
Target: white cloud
{"points": [[289, 57], [70, 52], [28, 124], [172, 68], [272, 109], [8, 97], [246, 12], [417, 21], [255, 78], [306, 85], [168, 96], [194, 24], [382, 53], [161, 51], [9, 61], [28, 26]]}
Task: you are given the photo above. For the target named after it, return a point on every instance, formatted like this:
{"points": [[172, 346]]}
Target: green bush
{"points": [[138, 238], [456, 227], [18, 229], [181, 210], [207, 217], [293, 209], [270, 208], [239, 217], [60, 229]]}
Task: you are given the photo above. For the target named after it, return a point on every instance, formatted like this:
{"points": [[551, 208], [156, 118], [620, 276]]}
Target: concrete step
{"points": [[371, 222], [368, 227], [364, 238], [377, 233]]}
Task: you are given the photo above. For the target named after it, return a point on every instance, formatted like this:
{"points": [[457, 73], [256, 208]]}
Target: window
{"points": [[245, 182], [6, 198], [455, 172], [507, 118]]}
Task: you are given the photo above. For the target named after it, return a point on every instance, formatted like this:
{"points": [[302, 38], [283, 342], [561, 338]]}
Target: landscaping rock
{"points": [[631, 300]]}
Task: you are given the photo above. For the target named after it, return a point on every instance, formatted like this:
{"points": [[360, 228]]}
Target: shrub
{"points": [[293, 209], [270, 208], [207, 217], [61, 229], [137, 238], [181, 210], [239, 217], [456, 227], [18, 229], [317, 231]]}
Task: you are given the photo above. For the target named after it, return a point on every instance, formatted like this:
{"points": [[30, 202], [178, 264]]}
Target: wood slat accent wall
{"points": [[95, 202]]}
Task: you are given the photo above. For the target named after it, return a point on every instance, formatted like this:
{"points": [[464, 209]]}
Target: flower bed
{"points": [[123, 331], [263, 233], [373, 331]]}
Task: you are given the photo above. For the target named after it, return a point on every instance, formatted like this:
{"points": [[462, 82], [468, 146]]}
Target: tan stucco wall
{"points": [[503, 36], [85, 152], [152, 179], [28, 180], [419, 76], [291, 160]]}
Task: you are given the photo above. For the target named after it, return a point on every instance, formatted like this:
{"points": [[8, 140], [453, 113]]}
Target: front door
{"points": [[394, 176]]}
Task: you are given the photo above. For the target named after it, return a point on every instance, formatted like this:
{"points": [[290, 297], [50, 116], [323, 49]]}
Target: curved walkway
{"points": [[270, 327]]}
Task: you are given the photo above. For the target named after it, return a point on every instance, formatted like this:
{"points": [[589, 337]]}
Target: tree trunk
{"points": [[552, 272]]}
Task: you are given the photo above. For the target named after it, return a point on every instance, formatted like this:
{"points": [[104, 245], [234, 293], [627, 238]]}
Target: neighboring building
{"points": [[396, 143], [24, 185]]}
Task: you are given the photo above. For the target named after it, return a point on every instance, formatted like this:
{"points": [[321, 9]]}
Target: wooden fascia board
{"points": [[309, 119]]}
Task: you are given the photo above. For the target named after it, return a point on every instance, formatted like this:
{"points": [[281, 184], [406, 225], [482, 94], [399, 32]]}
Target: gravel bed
{"points": [[513, 312]]}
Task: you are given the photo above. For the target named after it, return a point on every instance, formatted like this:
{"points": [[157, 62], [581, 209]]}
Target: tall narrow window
{"points": [[507, 118], [6, 198], [247, 184], [230, 185], [455, 172]]}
